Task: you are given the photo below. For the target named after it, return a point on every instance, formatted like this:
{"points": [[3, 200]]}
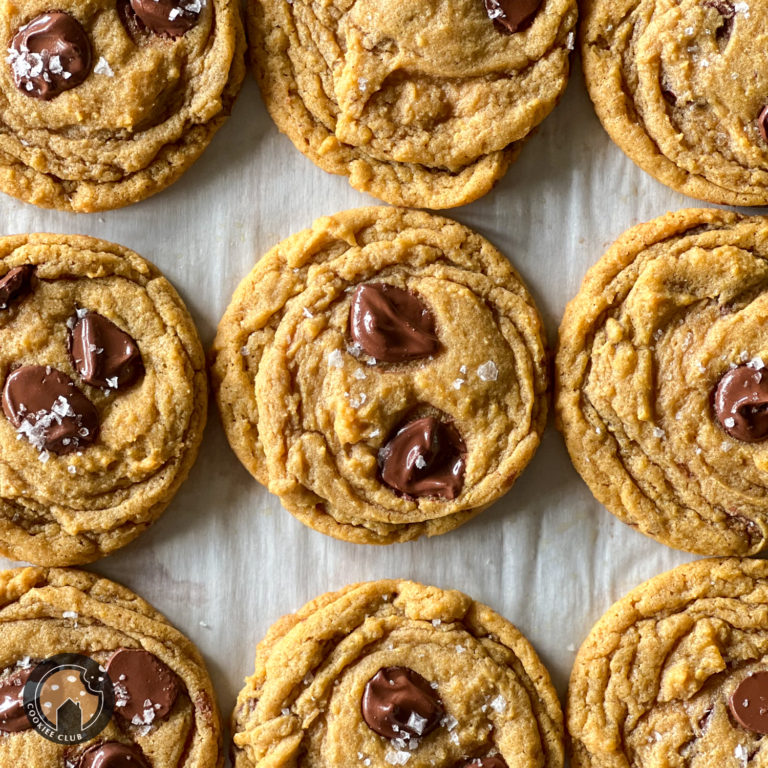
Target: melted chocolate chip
{"points": [[140, 677], [49, 410], [762, 123], [424, 458], [496, 761], [112, 754], [749, 702], [13, 718], [15, 284], [103, 354], [49, 55], [168, 18], [390, 324], [398, 702], [741, 403], [510, 16]]}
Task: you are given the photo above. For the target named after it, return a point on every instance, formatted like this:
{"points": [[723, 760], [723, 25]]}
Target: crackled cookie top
{"points": [[395, 673], [382, 372], [164, 712], [103, 397], [675, 673], [682, 88], [663, 382], [419, 103], [107, 102]]}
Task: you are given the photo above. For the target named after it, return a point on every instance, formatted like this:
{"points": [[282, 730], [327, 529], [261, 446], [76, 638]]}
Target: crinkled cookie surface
{"points": [[662, 380], [101, 106], [682, 88], [44, 613], [468, 687], [359, 447], [421, 104], [87, 463], [664, 677]]}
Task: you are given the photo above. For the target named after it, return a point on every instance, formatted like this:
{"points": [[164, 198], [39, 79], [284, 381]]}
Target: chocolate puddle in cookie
{"points": [[425, 457], [15, 284], [49, 410], [146, 688], [161, 18], [741, 403], [103, 354], [49, 55], [399, 703], [390, 324]]}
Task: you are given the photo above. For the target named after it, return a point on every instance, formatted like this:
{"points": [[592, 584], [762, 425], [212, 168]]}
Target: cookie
{"points": [[682, 88], [675, 673], [105, 103], [660, 374], [163, 711], [383, 373], [104, 397], [421, 104], [395, 673]]}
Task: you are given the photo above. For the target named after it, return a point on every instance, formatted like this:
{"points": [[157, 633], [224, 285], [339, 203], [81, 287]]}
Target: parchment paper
{"points": [[225, 560]]}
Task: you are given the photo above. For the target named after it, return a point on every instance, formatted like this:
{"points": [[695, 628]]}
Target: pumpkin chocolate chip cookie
{"points": [[105, 103], [104, 397], [663, 385], [682, 88], [395, 673], [91, 676], [383, 373], [675, 673], [422, 104]]}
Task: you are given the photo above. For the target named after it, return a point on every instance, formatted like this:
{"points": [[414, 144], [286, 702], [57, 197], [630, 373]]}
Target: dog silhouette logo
{"points": [[69, 698]]}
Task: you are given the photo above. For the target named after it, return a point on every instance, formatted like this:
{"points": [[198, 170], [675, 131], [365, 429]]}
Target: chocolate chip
{"points": [[391, 324], [169, 18], [400, 703], [424, 458], [112, 754], [510, 16], [749, 702], [103, 354], [13, 718], [145, 687], [741, 403], [49, 55], [496, 761], [49, 410], [762, 123], [723, 7], [15, 284]]}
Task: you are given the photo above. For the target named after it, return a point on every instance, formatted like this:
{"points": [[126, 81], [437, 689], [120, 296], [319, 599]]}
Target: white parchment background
{"points": [[226, 560]]}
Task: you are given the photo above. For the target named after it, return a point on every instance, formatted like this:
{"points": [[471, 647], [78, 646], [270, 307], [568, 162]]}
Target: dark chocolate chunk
{"points": [[511, 16], [741, 403], [749, 703], [13, 718], [145, 688], [390, 324], [49, 55], [49, 410], [103, 354], [168, 18], [15, 284], [400, 703], [112, 754], [424, 458], [762, 123]]}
